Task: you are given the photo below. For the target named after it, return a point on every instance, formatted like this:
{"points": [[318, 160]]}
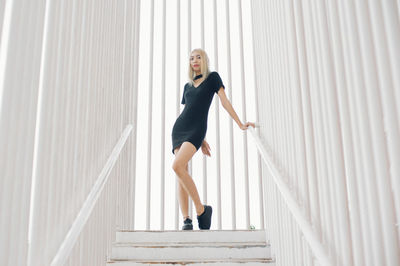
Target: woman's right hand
{"points": [[246, 125], [205, 148]]}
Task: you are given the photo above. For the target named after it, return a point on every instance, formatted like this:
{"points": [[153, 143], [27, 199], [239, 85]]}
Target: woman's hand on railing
{"points": [[246, 125], [205, 148]]}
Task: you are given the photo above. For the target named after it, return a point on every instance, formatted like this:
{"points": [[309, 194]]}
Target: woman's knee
{"points": [[178, 166]]}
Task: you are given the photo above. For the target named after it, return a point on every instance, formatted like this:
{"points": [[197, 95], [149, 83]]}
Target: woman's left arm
{"points": [[229, 108]]}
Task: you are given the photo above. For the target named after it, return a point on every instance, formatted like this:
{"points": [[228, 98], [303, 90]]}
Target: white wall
{"points": [[328, 78], [67, 92], [21, 45]]}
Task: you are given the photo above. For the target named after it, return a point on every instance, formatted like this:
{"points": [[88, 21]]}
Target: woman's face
{"points": [[195, 61]]}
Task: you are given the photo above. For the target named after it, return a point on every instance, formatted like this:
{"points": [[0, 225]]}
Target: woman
{"points": [[190, 130]]}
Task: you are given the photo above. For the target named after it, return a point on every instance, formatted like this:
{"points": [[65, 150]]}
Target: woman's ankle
{"points": [[202, 211]]}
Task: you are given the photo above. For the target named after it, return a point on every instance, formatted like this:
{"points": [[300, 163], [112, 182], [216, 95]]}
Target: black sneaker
{"points": [[187, 224], [205, 218]]}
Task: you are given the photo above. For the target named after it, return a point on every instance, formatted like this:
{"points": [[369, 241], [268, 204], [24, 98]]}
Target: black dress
{"points": [[191, 125]]}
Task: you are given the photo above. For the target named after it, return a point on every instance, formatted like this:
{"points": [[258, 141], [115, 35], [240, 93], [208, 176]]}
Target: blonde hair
{"points": [[203, 66]]}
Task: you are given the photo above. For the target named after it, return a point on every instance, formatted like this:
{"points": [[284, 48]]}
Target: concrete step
{"points": [[199, 236], [232, 262], [197, 247], [184, 244], [191, 251]]}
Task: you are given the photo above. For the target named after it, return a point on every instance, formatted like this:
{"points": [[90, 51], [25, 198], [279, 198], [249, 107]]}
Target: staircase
{"points": [[192, 248]]}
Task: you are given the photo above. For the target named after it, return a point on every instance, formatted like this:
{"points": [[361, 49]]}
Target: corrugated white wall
{"points": [[68, 90], [328, 78], [19, 77]]}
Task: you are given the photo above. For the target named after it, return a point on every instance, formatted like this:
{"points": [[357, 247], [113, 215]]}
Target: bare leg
{"points": [[183, 199], [182, 157]]}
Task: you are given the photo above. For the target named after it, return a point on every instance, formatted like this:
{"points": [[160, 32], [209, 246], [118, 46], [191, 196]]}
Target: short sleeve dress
{"points": [[191, 125]]}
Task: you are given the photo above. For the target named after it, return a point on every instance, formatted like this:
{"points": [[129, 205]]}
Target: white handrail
{"points": [[305, 226], [84, 214]]}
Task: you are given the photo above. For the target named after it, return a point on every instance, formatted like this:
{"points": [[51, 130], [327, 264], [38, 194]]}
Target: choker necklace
{"points": [[198, 76]]}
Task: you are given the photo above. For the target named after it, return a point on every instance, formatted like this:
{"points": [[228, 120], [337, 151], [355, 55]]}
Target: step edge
{"points": [[189, 244], [187, 231], [194, 260]]}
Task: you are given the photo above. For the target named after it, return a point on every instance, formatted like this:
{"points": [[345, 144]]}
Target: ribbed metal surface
{"points": [[20, 50], [327, 78], [68, 91]]}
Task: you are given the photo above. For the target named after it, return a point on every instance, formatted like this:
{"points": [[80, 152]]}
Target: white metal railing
{"points": [[298, 213]]}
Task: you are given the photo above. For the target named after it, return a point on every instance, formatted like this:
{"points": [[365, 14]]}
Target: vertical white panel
{"points": [[2, 11], [380, 104], [261, 191], [20, 53], [217, 120], [189, 50], [178, 98], [231, 137], [205, 197], [149, 116], [244, 118], [131, 58], [391, 29], [162, 186], [342, 82]]}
